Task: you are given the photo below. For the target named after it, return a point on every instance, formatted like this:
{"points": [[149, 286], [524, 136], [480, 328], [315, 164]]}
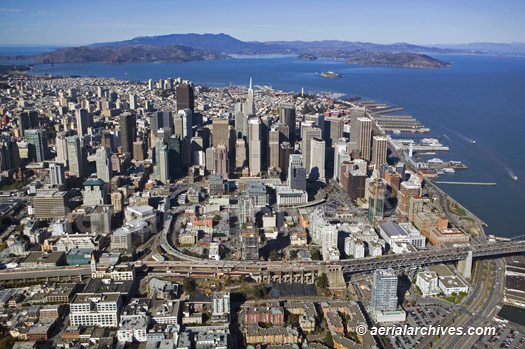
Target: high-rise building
{"points": [[240, 154], [57, 174], [340, 155], [246, 210], [9, 155], [210, 159], [376, 199], [27, 121], [296, 172], [36, 145], [162, 120], [317, 159], [254, 146], [273, 147], [408, 189], [384, 290], [221, 132], [308, 133], [175, 156], [107, 140], [333, 130], [287, 117], [183, 123], [361, 134], [74, 156], [133, 101], [185, 98], [82, 117], [221, 303], [329, 249], [103, 162], [61, 148], [379, 150], [161, 159], [250, 102], [127, 132], [222, 161], [284, 158], [138, 150]]}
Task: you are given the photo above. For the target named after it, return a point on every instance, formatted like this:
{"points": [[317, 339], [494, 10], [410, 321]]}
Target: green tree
{"points": [[293, 254], [322, 281], [273, 255], [315, 254], [189, 286]]}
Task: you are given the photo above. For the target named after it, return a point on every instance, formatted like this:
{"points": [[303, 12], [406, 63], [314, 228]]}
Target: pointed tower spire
{"points": [[250, 82]]}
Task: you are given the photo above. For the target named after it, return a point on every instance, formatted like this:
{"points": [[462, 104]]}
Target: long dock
{"points": [[467, 183]]}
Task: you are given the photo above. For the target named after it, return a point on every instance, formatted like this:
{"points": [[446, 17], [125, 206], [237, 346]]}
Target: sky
{"points": [[423, 22]]}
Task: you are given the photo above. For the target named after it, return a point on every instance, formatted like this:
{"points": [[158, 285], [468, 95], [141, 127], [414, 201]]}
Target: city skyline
{"points": [[71, 24]]}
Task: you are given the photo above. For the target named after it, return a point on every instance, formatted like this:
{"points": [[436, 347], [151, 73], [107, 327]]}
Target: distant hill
{"points": [[487, 47], [401, 59], [127, 54], [224, 43], [221, 43]]}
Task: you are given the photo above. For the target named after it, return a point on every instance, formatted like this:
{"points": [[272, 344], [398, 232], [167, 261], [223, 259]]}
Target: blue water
{"points": [[479, 97]]}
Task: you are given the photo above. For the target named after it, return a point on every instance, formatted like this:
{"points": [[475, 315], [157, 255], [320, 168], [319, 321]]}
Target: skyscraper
{"points": [[296, 172], [376, 199], [308, 133], [27, 121], [240, 154], [127, 132], [74, 156], [161, 160], [183, 123], [175, 156], [287, 117], [82, 117], [103, 161], [36, 145], [284, 158], [221, 132], [384, 290], [333, 130], [250, 103], [379, 150], [273, 147], [185, 99], [61, 148], [57, 173], [361, 134], [254, 147], [162, 120], [317, 159], [133, 101], [210, 159], [222, 161]]}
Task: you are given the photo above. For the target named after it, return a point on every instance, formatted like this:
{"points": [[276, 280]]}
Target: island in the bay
{"points": [[178, 48]]}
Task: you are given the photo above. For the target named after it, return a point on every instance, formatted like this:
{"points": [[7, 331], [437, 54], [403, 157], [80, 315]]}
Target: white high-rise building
{"points": [[329, 241], [57, 173], [317, 159], [384, 290], [133, 101], [250, 103], [61, 149], [254, 147], [273, 147], [186, 116], [104, 166], [221, 303]]}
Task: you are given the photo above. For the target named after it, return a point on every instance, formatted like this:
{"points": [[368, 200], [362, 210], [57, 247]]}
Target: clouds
{"points": [[3, 9]]}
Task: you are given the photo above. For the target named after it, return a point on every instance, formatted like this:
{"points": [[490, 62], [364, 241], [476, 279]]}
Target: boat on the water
{"points": [[448, 170], [515, 178]]}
